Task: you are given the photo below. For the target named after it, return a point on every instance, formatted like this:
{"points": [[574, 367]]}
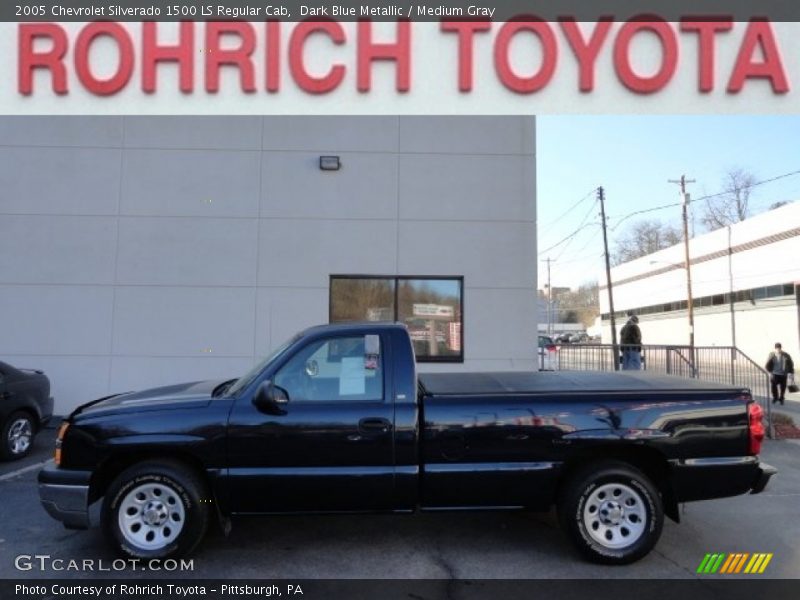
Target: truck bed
{"points": [[541, 382]]}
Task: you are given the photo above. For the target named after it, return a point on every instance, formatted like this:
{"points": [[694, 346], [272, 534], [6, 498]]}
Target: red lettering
{"points": [[307, 82], [182, 53], [239, 57], [399, 51], [706, 31], [586, 52], [669, 57], [759, 35], [87, 36], [502, 60], [273, 65], [52, 59], [466, 31]]}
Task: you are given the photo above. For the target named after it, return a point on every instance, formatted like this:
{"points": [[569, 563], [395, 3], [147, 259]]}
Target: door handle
{"points": [[372, 426]]}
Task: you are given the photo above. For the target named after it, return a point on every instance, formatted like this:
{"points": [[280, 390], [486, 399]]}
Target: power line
{"points": [[583, 221], [570, 209], [701, 198], [568, 238], [572, 258], [642, 212]]}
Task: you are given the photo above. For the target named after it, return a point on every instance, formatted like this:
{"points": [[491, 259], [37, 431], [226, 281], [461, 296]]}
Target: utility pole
{"points": [[689, 303], [731, 300], [731, 297], [601, 197], [549, 301]]}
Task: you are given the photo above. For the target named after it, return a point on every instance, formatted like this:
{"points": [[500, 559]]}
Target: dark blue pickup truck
{"points": [[338, 420]]}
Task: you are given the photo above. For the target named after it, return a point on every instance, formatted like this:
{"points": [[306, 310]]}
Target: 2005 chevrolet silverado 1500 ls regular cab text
{"points": [[337, 420]]}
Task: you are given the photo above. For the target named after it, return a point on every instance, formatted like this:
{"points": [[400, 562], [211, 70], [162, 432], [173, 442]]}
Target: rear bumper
{"points": [[65, 496], [765, 471], [719, 477]]}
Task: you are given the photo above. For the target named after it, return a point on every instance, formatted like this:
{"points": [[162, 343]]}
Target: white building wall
{"points": [[758, 324], [138, 251]]}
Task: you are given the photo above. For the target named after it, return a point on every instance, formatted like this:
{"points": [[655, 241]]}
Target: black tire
{"points": [[167, 489], [633, 518], [19, 425]]}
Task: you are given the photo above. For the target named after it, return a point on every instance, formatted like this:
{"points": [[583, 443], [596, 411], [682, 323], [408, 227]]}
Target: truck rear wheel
{"points": [[155, 509], [612, 513]]}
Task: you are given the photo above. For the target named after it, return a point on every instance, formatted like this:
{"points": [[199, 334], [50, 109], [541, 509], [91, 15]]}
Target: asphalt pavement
{"points": [[460, 545]]}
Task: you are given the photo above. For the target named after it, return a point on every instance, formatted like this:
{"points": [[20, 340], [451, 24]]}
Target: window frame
{"points": [[397, 279], [385, 397]]}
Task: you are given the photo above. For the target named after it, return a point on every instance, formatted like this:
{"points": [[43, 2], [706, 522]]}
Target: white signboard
{"points": [[433, 310], [333, 67]]}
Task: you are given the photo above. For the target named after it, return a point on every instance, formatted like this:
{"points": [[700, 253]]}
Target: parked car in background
{"points": [[25, 406], [548, 354]]}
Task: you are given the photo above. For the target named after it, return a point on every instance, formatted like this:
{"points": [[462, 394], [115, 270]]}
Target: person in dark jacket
{"points": [[780, 366], [631, 340]]}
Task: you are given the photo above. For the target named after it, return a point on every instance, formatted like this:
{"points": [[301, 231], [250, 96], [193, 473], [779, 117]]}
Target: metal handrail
{"points": [[719, 364]]}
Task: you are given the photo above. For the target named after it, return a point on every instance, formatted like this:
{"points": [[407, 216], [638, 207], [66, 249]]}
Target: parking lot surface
{"points": [[434, 545]]}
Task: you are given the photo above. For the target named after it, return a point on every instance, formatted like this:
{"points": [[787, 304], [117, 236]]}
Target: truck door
{"points": [[330, 444]]}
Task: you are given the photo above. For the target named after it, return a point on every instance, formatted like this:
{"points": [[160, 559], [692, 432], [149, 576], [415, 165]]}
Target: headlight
{"points": [[62, 431]]}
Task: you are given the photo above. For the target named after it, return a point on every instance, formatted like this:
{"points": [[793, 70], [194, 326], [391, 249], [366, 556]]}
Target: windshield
{"points": [[248, 377]]}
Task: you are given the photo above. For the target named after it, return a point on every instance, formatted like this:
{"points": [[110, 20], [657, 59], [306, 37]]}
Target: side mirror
{"points": [[270, 398]]}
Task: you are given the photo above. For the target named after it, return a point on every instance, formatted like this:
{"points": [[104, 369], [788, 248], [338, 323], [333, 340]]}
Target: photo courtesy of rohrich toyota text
{"points": [[399, 300]]}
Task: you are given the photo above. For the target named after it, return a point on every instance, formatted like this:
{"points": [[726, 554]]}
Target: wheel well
{"points": [[116, 464], [647, 460], [31, 413]]}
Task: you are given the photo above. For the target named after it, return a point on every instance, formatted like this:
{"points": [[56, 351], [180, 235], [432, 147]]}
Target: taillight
{"points": [[755, 426], [62, 431], [551, 348]]}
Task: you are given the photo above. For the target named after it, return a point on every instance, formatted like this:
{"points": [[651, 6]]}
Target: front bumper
{"points": [[65, 496]]}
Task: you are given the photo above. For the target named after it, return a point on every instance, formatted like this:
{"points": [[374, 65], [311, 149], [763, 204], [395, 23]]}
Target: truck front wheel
{"points": [[155, 509], [612, 513]]}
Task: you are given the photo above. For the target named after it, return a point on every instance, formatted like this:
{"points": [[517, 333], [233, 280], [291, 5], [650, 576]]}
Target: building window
{"points": [[362, 299], [431, 308], [751, 295]]}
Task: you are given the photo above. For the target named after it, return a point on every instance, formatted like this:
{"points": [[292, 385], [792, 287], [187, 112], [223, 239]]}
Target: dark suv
{"points": [[25, 406]]}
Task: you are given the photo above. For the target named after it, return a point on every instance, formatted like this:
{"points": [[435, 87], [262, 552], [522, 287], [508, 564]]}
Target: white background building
{"points": [[756, 259], [137, 251]]}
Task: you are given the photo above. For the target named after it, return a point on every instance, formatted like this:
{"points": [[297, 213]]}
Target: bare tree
{"points": [[732, 205], [580, 305], [778, 204], [643, 238]]}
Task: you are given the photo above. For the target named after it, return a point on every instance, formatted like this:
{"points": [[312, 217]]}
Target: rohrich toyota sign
{"points": [[522, 65]]}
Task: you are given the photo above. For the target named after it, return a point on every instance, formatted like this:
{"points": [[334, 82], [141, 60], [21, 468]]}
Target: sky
{"points": [[633, 157]]}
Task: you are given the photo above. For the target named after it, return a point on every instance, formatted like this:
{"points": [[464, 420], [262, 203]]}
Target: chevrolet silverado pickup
{"points": [[337, 420]]}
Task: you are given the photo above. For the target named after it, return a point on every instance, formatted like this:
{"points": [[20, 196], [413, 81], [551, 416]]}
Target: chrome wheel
{"points": [[151, 516], [615, 515], [20, 435]]}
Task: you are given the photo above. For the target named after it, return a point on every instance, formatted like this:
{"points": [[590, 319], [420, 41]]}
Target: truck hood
{"points": [[196, 394]]}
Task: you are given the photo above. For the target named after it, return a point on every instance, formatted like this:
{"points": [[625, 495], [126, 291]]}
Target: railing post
{"points": [[669, 360], [770, 424]]}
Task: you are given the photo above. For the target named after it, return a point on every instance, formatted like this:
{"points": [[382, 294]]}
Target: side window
{"points": [[342, 368]]}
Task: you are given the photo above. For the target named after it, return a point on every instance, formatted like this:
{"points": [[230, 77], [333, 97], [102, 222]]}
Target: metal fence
{"points": [[719, 364]]}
